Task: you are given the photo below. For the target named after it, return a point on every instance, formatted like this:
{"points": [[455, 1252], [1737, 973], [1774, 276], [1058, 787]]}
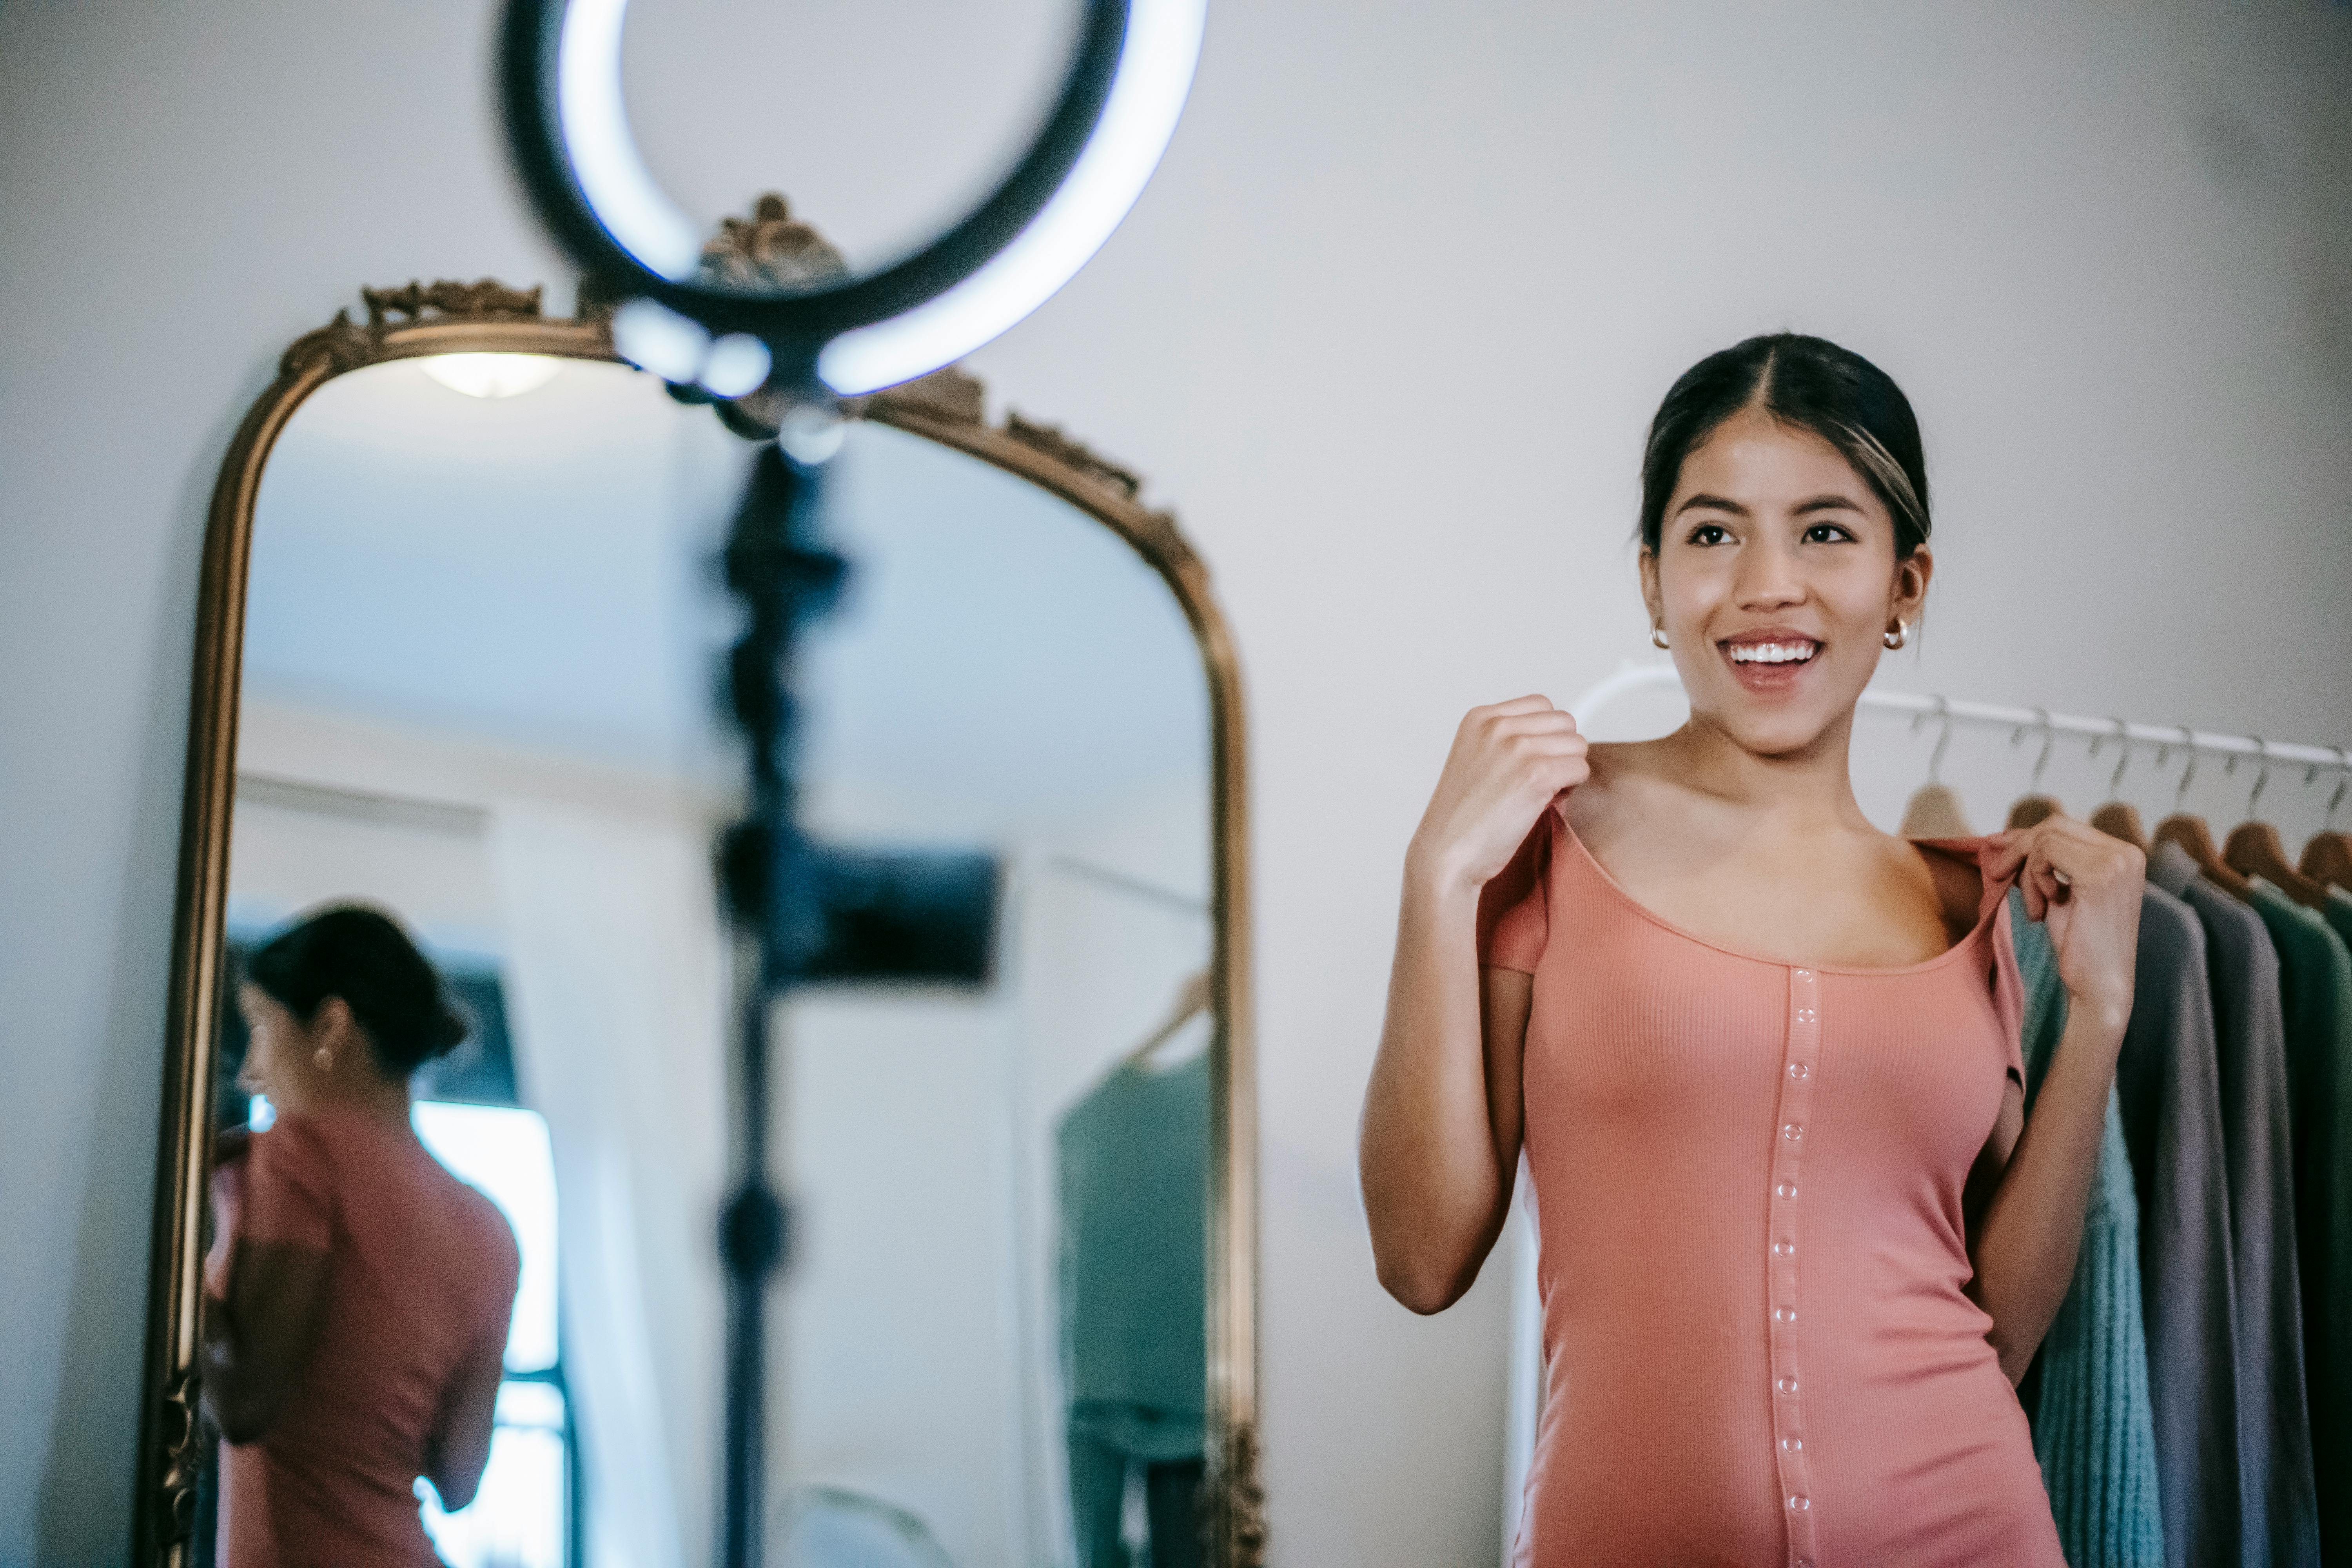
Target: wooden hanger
{"points": [[1191, 1003], [1934, 810], [2254, 849], [2196, 839], [2119, 818], [2191, 834], [2033, 806], [2328, 856]]}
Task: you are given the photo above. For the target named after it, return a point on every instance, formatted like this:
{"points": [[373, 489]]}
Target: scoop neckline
{"points": [[1985, 917]]}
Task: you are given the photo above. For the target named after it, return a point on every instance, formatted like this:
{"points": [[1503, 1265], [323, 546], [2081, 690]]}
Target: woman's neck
{"points": [[1809, 790], [375, 1100]]}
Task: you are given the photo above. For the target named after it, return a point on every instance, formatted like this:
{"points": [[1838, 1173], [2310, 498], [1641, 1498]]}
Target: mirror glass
{"points": [[481, 643]]}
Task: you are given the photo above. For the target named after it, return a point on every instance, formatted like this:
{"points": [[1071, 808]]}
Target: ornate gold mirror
{"points": [[454, 659]]}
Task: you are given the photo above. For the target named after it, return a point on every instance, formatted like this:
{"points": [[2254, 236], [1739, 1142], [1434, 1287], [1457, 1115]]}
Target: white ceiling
{"points": [[537, 569]]}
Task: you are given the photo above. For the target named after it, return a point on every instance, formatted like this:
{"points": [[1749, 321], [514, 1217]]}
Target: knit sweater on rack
{"points": [[2092, 1431]]}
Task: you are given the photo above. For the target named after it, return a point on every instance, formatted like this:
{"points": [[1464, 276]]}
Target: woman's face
{"points": [[280, 1053], [1775, 579]]}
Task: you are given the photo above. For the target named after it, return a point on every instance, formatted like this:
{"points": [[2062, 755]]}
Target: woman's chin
{"points": [[1774, 724]]}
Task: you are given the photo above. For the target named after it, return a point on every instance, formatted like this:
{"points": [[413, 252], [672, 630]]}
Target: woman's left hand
{"points": [[2085, 887]]}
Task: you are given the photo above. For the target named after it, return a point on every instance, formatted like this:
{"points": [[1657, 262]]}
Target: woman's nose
{"points": [[1768, 577]]}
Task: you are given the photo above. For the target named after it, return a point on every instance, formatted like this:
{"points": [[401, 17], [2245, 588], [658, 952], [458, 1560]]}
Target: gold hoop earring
{"points": [[323, 1060], [1898, 637], [1657, 637]]}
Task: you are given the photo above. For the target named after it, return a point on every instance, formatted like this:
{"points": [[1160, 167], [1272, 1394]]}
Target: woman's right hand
{"points": [[1510, 760]]}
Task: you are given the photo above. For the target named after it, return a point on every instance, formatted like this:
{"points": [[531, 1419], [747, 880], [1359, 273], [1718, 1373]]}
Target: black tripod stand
{"points": [[774, 349]]}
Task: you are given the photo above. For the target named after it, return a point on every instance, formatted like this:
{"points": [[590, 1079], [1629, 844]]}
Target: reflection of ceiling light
{"points": [[492, 375]]}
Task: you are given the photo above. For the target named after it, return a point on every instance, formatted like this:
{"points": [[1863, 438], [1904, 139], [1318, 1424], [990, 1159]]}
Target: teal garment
{"points": [[2093, 1426], [1134, 1180], [2316, 984], [2339, 913]]}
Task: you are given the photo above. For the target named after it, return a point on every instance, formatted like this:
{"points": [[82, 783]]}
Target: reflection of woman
{"points": [[357, 1295], [1797, 1242]]}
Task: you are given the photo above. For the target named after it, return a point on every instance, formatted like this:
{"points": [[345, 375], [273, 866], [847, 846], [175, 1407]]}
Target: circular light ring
{"points": [[1126, 83]]}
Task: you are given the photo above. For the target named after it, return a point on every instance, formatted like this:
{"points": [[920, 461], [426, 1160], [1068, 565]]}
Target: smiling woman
{"points": [[1763, 1059]]}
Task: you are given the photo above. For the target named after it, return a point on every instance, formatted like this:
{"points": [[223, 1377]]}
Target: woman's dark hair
{"points": [[1811, 383], [367, 960]]}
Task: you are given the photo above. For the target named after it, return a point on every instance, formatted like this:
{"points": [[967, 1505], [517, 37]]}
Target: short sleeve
{"points": [[288, 1187], [1514, 909]]}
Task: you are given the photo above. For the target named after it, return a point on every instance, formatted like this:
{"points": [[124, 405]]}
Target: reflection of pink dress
{"points": [[1748, 1173], [421, 1282]]}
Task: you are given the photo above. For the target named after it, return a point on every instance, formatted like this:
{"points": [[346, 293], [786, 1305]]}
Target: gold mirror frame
{"points": [[439, 317]]}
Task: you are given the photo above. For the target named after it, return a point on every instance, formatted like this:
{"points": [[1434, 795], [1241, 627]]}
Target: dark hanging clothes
{"points": [[2280, 1517], [2315, 984], [2169, 1081], [1134, 1293], [2087, 1395], [2337, 913], [1099, 1482]]}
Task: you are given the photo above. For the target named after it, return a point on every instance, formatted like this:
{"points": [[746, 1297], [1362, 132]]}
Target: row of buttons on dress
{"points": [[1780, 1272]]}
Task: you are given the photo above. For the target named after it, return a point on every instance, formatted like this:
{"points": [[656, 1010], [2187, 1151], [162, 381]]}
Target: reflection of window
{"points": [[521, 1516]]}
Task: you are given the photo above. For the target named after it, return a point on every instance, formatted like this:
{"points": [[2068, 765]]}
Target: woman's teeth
{"points": [[1772, 652]]}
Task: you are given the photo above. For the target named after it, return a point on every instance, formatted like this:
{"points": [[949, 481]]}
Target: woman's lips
{"points": [[1769, 664]]}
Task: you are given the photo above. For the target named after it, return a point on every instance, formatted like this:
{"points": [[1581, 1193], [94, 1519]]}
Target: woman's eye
{"points": [[1826, 533], [1708, 533]]}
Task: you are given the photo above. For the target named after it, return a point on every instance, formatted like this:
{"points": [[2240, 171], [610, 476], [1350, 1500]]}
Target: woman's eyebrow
{"points": [[1830, 502], [1711, 503]]}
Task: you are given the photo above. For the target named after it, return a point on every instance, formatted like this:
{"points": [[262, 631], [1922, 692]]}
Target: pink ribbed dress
{"points": [[1747, 1178]]}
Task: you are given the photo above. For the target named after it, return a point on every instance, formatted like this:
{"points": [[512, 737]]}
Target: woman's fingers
{"points": [[2065, 866], [1508, 761], [1507, 726], [1534, 702]]}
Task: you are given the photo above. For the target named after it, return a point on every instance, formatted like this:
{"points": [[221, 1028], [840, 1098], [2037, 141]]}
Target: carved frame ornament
{"points": [[419, 320]]}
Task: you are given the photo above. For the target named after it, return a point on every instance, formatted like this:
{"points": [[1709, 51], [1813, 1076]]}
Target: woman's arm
{"points": [[259, 1335], [459, 1449], [1441, 1131], [2087, 887]]}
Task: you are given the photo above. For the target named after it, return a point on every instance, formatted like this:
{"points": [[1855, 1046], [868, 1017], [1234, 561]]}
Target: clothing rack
{"points": [[2019, 721], [1127, 883], [362, 806]]}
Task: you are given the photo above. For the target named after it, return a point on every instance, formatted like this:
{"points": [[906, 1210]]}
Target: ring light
{"points": [[1069, 190]]}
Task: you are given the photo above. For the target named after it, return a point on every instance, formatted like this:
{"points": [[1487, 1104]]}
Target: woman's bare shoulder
{"points": [[1629, 779]]}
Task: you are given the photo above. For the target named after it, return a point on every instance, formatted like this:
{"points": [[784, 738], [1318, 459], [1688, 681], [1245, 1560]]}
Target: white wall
{"points": [[1387, 327]]}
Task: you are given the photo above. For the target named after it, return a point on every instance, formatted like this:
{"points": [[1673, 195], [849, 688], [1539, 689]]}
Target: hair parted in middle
{"points": [[1812, 385]]}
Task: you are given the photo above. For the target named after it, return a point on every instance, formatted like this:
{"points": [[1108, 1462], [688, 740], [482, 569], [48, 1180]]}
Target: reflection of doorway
{"points": [[527, 1514], [522, 1516]]}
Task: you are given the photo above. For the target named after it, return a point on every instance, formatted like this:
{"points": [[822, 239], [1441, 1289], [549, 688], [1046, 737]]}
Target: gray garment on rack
{"points": [[2169, 1081], [2280, 1526]]}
